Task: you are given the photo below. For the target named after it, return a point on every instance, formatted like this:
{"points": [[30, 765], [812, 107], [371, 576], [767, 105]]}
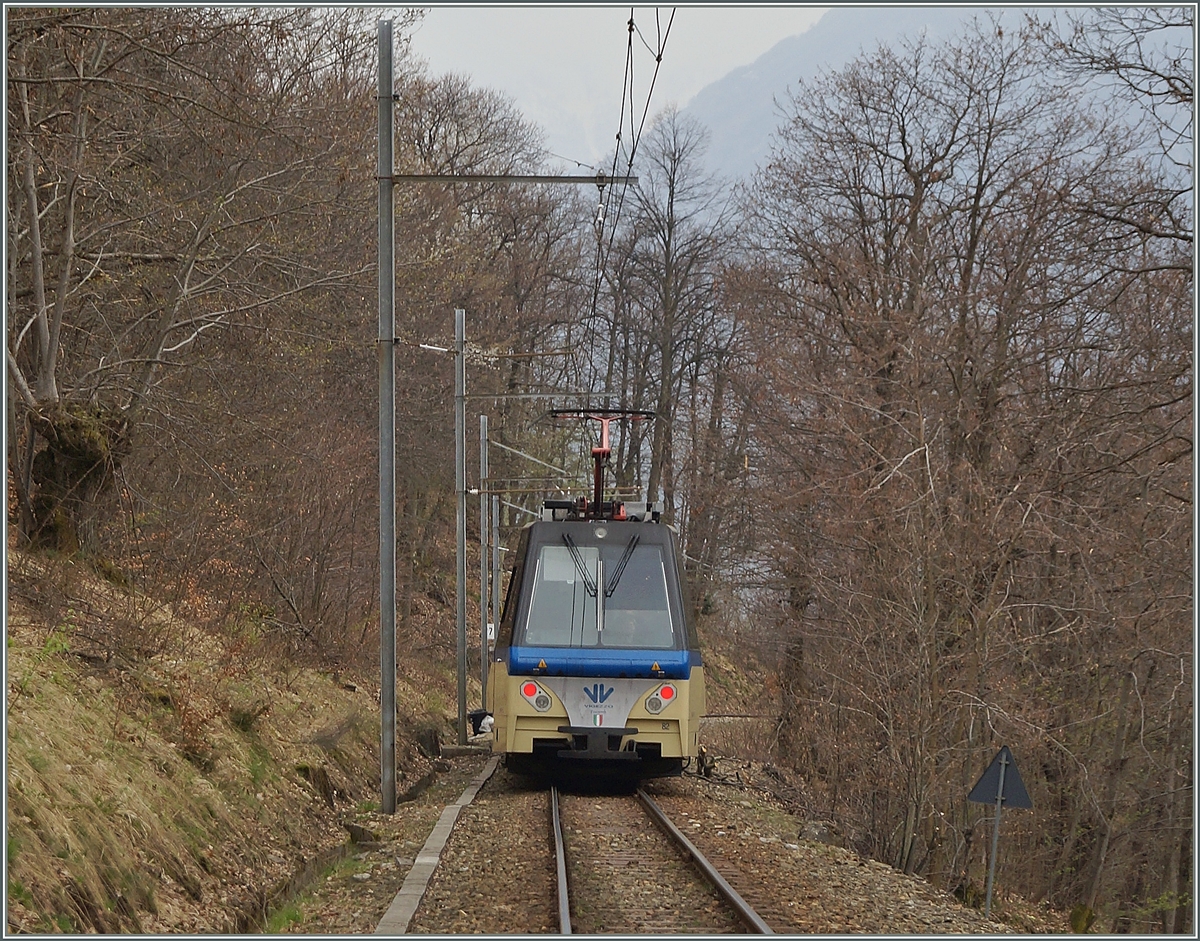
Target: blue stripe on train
{"points": [[592, 661]]}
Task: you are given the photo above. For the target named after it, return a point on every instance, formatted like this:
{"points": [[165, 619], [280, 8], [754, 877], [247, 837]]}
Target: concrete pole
{"points": [[460, 486], [387, 433], [484, 514]]}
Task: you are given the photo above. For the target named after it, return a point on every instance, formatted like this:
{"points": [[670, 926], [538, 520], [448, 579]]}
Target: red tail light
{"points": [[662, 697], [536, 696]]}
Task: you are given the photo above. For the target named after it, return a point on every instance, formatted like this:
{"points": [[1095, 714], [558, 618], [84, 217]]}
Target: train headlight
{"points": [[536, 696], [662, 697]]}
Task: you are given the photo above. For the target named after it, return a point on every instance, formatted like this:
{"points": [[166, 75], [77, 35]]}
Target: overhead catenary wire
{"points": [[624, 149], [627, 94], [474, 352], [603, 252], [637, 136], [578, 163], [626, 82]]}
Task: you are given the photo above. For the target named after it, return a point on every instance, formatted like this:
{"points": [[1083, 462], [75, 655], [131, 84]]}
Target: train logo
{"points": [[598, 693]]}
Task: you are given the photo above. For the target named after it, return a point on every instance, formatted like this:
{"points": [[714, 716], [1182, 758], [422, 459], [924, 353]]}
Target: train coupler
{"points": [[597, 743]]}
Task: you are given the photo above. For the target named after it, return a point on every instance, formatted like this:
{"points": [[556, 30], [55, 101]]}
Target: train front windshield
{"points": [[600, 596]]}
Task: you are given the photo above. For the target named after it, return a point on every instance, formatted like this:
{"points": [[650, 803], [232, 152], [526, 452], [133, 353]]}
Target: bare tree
{"points": [[161, 164], [665, 323], [1147, 52], [1145, 56], [956, 411]]}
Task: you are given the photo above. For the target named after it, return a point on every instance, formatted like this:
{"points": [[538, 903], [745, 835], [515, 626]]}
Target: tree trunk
{"points": [[1110, 803], [1184, 892], [83, 450], [20, 467], [1172, 883]]}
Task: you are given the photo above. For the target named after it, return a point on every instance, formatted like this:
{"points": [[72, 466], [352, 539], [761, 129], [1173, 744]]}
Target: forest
{"points": [[922, 386]]}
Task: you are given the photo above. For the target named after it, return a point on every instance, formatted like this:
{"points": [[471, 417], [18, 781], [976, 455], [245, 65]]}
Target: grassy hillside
{"points": [[162, 779]]}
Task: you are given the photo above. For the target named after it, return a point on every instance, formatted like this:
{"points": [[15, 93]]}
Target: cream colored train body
{"points": [[597, 667]]}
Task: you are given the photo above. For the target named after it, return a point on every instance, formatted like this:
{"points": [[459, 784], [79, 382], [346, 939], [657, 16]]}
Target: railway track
{"points": [[617, 873], [498, 872]]}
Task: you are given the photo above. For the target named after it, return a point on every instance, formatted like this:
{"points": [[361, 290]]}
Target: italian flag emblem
{"points": [[598, 719]]}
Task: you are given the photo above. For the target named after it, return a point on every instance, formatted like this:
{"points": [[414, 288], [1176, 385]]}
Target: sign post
{"points": [[1001, 784]]}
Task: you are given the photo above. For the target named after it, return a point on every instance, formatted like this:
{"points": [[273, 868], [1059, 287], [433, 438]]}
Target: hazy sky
{"points": [[564, 64]]}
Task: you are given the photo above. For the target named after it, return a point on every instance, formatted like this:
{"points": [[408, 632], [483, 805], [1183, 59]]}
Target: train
{"points": [[597, 670]]}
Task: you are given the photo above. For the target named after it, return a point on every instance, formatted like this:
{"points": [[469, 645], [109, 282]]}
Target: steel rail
{"points": [[740, 905], [560, 859]]}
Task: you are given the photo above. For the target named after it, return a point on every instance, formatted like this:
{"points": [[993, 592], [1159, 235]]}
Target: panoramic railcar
{"points": [[597, 667]]}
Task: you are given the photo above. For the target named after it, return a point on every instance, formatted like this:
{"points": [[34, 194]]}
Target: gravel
{"points": [[627, 877], [496, 875], [803, 886]]}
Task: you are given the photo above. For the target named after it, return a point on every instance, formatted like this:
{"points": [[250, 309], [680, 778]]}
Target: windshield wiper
{"points": [[612, 585], [588, 582]]}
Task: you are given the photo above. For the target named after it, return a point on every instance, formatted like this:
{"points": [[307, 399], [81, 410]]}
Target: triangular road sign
{"points": [[987, 789]]}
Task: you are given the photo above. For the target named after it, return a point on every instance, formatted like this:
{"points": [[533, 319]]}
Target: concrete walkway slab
{"points": [[395, 920]]}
